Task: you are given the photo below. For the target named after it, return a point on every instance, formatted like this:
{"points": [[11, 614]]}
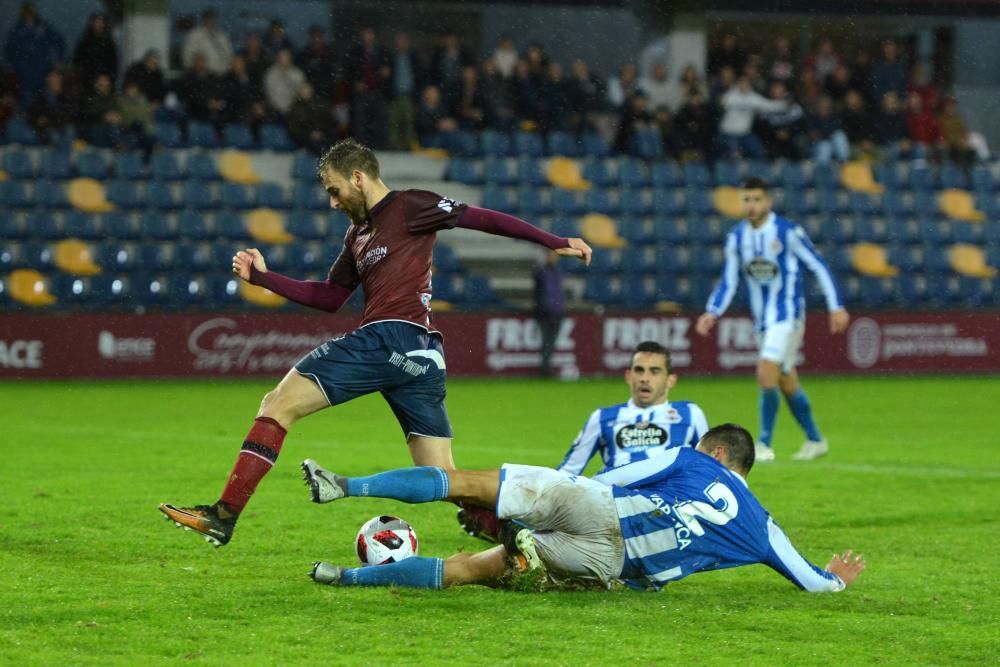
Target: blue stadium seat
{"points": [[698, 202], [156, 225], [19, 132], [236, 135], [900, 231], [861, 204], [37, 255], [445, 259], [976, 292], [564, 144], [838, 229], [967, 232], [15, 194], [229, 225], [86, 226], [565, 202], [130, 166], [202, 135], [896, 205], [831, 201], [43, 224], [597, 172], [796, 203], [121, 226], [446, 288], [117, 257], [707, 259], [597, 200], [149, 289], [911, 291], [478, 292], [275, 137], [499, 171], [871, 230], [888, 174], [222, 289], [691, 293], [169, 135], [201, 166], [56, 165], [531, 202], [935, 231], [953, 176], [160, 195], [199, 194], [464, 171], [640, 260], [991, 233], [936, 259], [10, 256], [943, 291], [877, 293], [826, 176], [638, 291], [601, 289], [633, 173], [696, 175], [908, 258], [496, 144], [18, 165], [166, 167], [636, 230], [671, 230], [666, 202], [53, 193], [307, 196], [464, 144], [110, 290], [304, 167], [14, 228], [337, 224], [850, 292], [92, 164], [922, 178], [646, 143], [727, 172], [156, 256], [529, 172], [983, 179], [124, 194], [529, 144], [792, 176], [594, 145], [71, 290], [196, 257], [305, 225], [498, 199], [195, 225], [635, 202], [566, 227], [185, 290], [666, 175], [272, 195], [673, 259], [711, 231], [313, 257]]}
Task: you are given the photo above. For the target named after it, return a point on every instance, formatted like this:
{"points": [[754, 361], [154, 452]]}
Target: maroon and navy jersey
{"points": [[390, 255]]}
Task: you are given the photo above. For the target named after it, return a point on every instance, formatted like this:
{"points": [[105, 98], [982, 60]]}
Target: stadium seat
{"points": [[275, 137], [307, 196], [37, 255], [530, 173], [565, 202], [130, 166], [30, 287], [707, 259], [599, 200], [464, 144], [229, 225], [564, 144], [337, 225], [121, 226], [896, 205], [529, 144], [830, 201], [696, 175], [911, 291], [635, 202], [728, 202], [237, 135], [85, 226], [195, 226], [922, 178], [942, 291], [157, 226], [87, 194], [199, 195], [977, 292], [445, 259], [498, 198], [640, 260], [726, 172], [698, 202], [71, 290], [166, 167], [160, 195], [838, 229], [92, 164], [605, 260], [709, 231], [959, 205], [857, 176], [149, 289], [55, 194], [305, 225], [186, 290], [792, 176], [887, 174], [967, 232], [202, 135], [315, 257], [169, 135], [988, 204], [56, 165], [496, 144], [861, 204], [603, 290], [18, 165], [666, 202], [871, 230], [796, 203], [464, 171], [13, 228], [272, 195], [117, 257], [671, 230], [871, 259], [15, 194], [110, 290], [156, 256], [43, 224], [267, 226], [673, 259], [953, 177], [598, 172], [237, 167], [565, 173], [983, 179], [646, 144], [20, 133], [499, 171], [826, 176], [304, 167], [876, 293], [532, 203], [222, 290], [638, 291], [633, 174], [935, 231], [666, 175], [908, 258], [969, 260], [124, 194], [636, 230], [600, 231], [566, 226], [594, 145], [201, 166]]}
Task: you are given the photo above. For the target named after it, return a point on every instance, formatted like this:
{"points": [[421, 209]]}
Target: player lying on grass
{"points": [[646, 523]]}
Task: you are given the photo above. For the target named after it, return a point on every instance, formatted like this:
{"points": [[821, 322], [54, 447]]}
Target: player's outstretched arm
{"points": [[838, 321], [243, 260], [328, 296], [847, 566], [577, 248], [502, 224], [705, 323]]}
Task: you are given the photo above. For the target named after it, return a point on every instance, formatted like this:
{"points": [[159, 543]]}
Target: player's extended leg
{"points": [[425, 484], [768, 373], [485, 567], [294, 397], [815, 445], [430, 451]]}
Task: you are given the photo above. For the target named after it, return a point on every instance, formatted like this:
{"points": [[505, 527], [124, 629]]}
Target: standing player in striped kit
{"points": [[646, 523], [770, 251]]}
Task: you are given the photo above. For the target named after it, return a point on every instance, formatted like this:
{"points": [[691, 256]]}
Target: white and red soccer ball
{"points": [[385, 539]]}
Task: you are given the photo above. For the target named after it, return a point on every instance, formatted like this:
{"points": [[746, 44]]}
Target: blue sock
{"points": [[416, 572], [411, 485], [802, 409], [769, 401]]}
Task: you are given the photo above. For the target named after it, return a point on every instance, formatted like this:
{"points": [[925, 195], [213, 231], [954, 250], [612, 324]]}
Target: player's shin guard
{"points": [[415, 572], [799, 404], [259, 452], [411, 485], [769, 400]]}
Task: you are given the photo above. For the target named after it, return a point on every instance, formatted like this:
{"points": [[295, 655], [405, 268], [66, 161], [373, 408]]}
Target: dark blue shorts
{"points": [[402, 361]]}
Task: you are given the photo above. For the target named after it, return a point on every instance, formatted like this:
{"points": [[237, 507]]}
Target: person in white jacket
{"points": [[208, 40], [282, 81], [740, 105]]}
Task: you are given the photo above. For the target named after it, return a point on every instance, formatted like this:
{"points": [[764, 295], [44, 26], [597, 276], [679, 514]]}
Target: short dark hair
{"points": [[347, 155], [737, 442], [652, 347], [756, 183]]}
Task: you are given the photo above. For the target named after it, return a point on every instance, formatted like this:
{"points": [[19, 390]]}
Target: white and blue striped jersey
{"points": [[771, 257], [626, 433], [684, 512]]}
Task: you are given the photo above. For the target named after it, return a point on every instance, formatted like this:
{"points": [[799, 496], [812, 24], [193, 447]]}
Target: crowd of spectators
{"points": [[821, 105]]}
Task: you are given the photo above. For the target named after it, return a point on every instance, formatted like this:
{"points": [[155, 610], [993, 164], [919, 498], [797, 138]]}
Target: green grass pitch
{"points": [[91, 575]]}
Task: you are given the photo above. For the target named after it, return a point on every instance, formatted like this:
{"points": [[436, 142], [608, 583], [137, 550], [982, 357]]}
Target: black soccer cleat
{"points": [[479, 522], [202, 519]]}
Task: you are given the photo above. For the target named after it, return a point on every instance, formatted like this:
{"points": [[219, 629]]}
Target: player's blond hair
{"points": [[347, 155]]}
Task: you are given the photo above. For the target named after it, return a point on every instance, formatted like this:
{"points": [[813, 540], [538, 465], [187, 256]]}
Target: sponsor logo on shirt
{"points": [[762, 270], [643, 434], [372, 257]]}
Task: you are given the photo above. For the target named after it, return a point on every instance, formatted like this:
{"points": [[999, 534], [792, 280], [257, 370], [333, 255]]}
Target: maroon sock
{"points": [[259, 452]]}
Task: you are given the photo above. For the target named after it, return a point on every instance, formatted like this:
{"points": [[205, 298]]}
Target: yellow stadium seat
{"points": [[87, 194], [858, 176], [74, 256], [969, 260], [237, 167], [669, 307], [443, 306], [3, 175], [728, 201], [564, 173], [268, 226], [260, 296], [959, 205], [870, 259], [29, 287], [599, 230]]}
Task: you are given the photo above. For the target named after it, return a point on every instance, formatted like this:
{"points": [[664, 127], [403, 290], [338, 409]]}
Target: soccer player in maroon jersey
{"points": [[396, 350]]}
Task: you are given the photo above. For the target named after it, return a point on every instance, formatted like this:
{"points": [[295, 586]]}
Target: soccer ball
{"points": [[385, 539]]}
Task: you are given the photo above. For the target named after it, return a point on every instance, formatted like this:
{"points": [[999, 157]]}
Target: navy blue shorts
{"points": [[402, 361]]}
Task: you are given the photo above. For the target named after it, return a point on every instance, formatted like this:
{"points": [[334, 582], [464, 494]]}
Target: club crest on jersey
{"points": [[448, 204], [776, 246], [642, 434]]}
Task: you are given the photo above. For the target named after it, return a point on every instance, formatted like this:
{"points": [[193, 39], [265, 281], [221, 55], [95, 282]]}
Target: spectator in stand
{"points": [[740, 106], [691, 83], [922, 123], [137, 124], [890, 130], [623, 86], [505, 56], [209, 41], [433, 121], [781, 65], [550, 307], [888, 73], [33, 50], [758, 83], [282, 82], [780, 130], [538, 62], [555, 100], [809, 89], [722, 84], [469, 107], [858, 125], [368, 67], [838, 84], [663, 121], [310, 121], [244, 100], [316, 62], [51, 111], [498, 98], [694, 128], [276, 40], [823, 60], [825, 131], [146, 74], [659, 89], [201, 93], [634, 118], [100, 119], [727, 54], [255, 60], [527, 91], [407, 79], [861, 72], [449, 61], [584, 97], [920, 83], [960, 145], [96, 52]]}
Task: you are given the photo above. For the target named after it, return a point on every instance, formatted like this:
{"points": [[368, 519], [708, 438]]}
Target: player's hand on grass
{"points": [[838, 321], [705, 323], [244, 258], [847, 566], [577, 248]]}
